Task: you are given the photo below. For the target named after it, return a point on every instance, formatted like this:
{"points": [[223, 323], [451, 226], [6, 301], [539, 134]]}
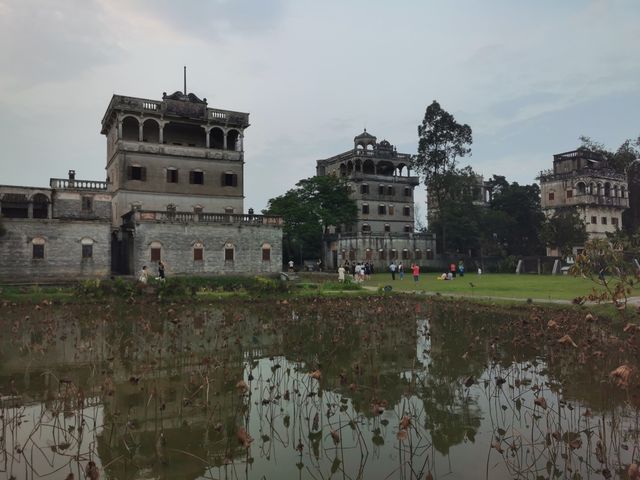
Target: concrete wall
{"points": [[62, 250], [177, 242]]}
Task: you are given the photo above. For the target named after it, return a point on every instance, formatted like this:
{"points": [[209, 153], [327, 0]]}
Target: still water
{"points": [[373, 388]]}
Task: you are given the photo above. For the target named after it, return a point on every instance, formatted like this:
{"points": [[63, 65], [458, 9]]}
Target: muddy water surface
{"points": [[359, 388]]}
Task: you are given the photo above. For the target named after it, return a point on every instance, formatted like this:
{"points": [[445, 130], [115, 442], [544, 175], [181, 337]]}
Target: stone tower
{"points": [[174, 154]]}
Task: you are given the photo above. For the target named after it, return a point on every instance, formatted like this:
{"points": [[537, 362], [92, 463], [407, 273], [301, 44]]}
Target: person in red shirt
{"points": [[415, 270], [452, 269]]}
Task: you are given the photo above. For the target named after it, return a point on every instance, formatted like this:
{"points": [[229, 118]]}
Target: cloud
{"points": [[44, 41]]}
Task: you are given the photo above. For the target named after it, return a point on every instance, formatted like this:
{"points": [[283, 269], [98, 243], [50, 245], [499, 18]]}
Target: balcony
{"points": [[67, 184], [159, 216], [587, 199]]}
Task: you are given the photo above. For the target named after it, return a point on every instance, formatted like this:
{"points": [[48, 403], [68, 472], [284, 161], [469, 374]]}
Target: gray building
{"points": [[174, 192], [383, 187]]}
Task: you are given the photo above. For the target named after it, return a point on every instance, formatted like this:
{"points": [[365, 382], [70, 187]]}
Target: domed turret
{"points": [[365, 140]]}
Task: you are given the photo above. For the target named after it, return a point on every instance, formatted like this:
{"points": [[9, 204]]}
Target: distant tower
{"points": [[174, 154]]}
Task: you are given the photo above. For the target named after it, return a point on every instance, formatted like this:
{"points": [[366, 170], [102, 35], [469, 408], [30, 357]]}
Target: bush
{"points": [[346, 285]]}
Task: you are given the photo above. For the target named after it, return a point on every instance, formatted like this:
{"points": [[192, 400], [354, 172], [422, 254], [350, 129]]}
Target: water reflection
{"points": [[367, 388]]}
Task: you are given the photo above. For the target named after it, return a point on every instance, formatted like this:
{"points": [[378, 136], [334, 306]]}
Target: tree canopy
{"points": [[308, 210], [619, 159], [441, 141], [564, 230]]}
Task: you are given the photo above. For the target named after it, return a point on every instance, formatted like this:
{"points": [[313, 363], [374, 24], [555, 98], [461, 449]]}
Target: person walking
{"points": [[392, 269], [161, 273], [144, 275], [415, 270]]}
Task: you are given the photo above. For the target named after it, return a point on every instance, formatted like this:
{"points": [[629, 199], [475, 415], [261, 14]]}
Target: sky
{"points": [[528, 77]]}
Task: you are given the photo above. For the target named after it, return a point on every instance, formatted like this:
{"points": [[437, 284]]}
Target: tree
{"points": [[514, 218], [441, 142], [564, 230], [308, 210], [620, 159]]}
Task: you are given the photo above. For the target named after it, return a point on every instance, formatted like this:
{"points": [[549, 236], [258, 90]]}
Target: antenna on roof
{"points": [[185, 80]]}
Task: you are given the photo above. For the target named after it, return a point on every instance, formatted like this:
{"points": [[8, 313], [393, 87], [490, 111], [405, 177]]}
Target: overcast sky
{"points": [[528, 77]]}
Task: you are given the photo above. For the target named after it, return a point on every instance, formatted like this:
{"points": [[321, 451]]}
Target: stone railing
{"points": [[140, 216], [622, 202], [66, 184], [583, 173]]}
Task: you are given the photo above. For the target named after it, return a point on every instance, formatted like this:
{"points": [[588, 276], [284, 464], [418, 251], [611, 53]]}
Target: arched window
{"points": [[229, 252], [37, 245], [216, 138], [232, 140], [150, 131], [198, 252], [155, 251], [382, 255], [87, 248], [405, 254], [580, 188], [387, 228], [368, 254], [366, 228], [607, 189], [623, 192], [418, 254], [130, 129], [266, 252]]}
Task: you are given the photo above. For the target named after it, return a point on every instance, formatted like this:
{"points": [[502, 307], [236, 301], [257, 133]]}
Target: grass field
{"points": [[543, 287]]}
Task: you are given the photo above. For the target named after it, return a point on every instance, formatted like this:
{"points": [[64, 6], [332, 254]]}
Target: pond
{"points": [[371, 388]]}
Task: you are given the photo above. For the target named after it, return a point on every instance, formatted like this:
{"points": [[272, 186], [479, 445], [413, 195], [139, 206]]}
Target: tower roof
{"points": [[364, 136]]}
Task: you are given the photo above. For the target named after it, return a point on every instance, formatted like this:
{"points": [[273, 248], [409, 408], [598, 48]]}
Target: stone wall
{"points": [[68, 204], [177, 248], [62, 249]]}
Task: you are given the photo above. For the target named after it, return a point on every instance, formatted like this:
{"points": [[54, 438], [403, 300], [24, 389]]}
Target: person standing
{"points": [[161, 270], [291, 265], [461, 268], [341, 274], [415, 270], [452, 269], [144, 275], [401, 271], [392, 269]]}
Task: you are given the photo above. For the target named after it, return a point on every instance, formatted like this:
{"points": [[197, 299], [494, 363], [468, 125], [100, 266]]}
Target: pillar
{"points": [[119, 129], [30, 210], [140, 132], [207, 135], [241, 142], [49, 210], [224, 140], [161, 133]]}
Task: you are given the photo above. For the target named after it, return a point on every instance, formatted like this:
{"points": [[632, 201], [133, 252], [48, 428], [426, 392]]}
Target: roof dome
{"points": [[364, 136]]}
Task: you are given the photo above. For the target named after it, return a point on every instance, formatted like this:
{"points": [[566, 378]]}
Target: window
{"points": [[197, 209], [198, 252], [364, 189], [408, 229], [569, 193], [368, 255], [38, 248], [87, 204], [155, 250], [266, 252], [228, 210], [196, 177], [391, 190], [382, 209], [418, 254], [594, 220], [228, 252], [387, 227], [407, 191], [405, 254], [429, 254], [551, 195], [604, 220], [391, 209], [406, 211], [352, 255], [393, 254], [614, 221], [135, 172], [366, 228], [380, 189], [382, 255], [229, 179], [172, 175], [87, 248], [365, 209]]}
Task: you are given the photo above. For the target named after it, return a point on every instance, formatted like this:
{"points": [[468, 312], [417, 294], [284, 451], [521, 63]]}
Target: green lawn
{"points": [[554, 287]]}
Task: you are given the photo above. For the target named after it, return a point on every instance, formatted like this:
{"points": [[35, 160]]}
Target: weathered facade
{"points": [[174, 192], [583, 180], [382, 187]]}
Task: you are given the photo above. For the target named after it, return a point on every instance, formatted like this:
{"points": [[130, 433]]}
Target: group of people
{"points": [[399, 269], [144, 273], [359, 271]]}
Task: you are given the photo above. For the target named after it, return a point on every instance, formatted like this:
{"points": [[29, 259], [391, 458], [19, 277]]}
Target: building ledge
{"points": [[158, 216]]}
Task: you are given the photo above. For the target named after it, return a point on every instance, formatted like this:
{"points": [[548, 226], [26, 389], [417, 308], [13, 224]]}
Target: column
{"points": [[49, 210], [241, 142], [207, 132], [161, 133], [119, 129], [224, 140], [140, 132], [30, 210]]}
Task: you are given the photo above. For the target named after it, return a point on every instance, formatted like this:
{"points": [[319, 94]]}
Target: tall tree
{"points": [[442, 140], [619, 159], [565, 230], [308, 210], [515, 217]]}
